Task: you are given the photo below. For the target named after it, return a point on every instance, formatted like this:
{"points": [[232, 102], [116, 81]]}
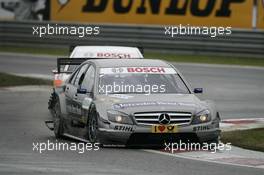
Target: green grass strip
{"points": [[249, 139], [13, 80]]}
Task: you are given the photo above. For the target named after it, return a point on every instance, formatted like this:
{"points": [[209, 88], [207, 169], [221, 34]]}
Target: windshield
{"points": [[120, 81]]}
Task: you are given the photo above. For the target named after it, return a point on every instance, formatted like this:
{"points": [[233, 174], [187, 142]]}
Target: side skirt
{"points": [[76, 138]]}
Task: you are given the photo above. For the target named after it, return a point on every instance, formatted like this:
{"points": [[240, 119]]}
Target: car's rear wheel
{"points": [[57, 119], [52, 101], [93, 127]]}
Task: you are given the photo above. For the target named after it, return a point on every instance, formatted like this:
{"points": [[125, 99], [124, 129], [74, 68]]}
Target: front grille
{"points": [[152, 118]]}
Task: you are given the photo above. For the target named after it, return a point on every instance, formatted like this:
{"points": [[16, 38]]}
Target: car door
{"points": [[69, 91], [71, 96], [86, 85]]}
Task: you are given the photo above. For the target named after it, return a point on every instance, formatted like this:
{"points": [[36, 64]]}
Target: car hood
{"points": [[130, 104]]}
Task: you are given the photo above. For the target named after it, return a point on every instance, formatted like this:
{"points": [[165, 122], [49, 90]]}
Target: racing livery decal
{"points": [[123, 128], [144, 70], [153, 103]]}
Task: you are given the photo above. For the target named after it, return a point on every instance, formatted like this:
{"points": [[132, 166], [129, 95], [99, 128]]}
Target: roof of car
{"points": [[104, 63], [106, 52], [106, 47]]}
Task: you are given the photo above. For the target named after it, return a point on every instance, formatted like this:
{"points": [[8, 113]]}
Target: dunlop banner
{"points": [[234, 13], [260, 21]]}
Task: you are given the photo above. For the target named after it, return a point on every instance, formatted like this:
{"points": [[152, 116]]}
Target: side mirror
{"points": [[54, 71], [198, 90], [81, 91]]}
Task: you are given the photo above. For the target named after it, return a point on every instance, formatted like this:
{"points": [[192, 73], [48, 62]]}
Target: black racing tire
{"points": [[216, 140], [52, 101], [92, 126], [57, 119]]}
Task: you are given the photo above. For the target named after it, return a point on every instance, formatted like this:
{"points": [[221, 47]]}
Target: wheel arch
{"points": [[62, 99]]}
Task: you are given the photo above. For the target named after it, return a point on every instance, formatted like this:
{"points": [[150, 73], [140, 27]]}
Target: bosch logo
{"points": [[146, 69]]}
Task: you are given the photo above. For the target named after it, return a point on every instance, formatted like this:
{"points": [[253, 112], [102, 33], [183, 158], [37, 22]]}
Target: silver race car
{"points": [[132, 101]]}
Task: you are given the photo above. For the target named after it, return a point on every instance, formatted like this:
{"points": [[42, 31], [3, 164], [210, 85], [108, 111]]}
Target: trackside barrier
{"points": [[247, 43]]}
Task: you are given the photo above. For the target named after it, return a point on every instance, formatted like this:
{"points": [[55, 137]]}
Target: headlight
{"points": [[118, 117], [202, 117]]}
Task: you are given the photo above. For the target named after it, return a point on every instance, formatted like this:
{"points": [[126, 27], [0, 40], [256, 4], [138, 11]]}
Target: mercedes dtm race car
{"points": [[123, 101], [90, 52]]}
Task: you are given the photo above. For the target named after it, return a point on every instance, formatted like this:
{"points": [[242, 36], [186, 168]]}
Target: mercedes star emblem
{"points": [[164, 119]]}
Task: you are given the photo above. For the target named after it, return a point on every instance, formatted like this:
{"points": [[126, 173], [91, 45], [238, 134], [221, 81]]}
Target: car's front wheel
{"points": [[93, 126], [57, 120], [216, 140]]}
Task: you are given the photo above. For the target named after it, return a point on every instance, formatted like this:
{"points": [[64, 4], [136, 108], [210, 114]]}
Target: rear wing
{"points": [[68, 61]]}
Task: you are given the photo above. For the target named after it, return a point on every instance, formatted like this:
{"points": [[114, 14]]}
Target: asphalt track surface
{"points": [[22, 114], [237, 91]]}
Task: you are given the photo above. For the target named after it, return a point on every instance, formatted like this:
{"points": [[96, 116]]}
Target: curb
{"points": [[234, 157], [241, 124]]}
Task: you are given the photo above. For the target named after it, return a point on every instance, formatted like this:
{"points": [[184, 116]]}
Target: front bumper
{"points": [[114, 133]]}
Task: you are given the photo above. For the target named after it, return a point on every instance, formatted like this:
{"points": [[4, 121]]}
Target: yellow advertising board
{"points": [[234, 13], [260, 22]]}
